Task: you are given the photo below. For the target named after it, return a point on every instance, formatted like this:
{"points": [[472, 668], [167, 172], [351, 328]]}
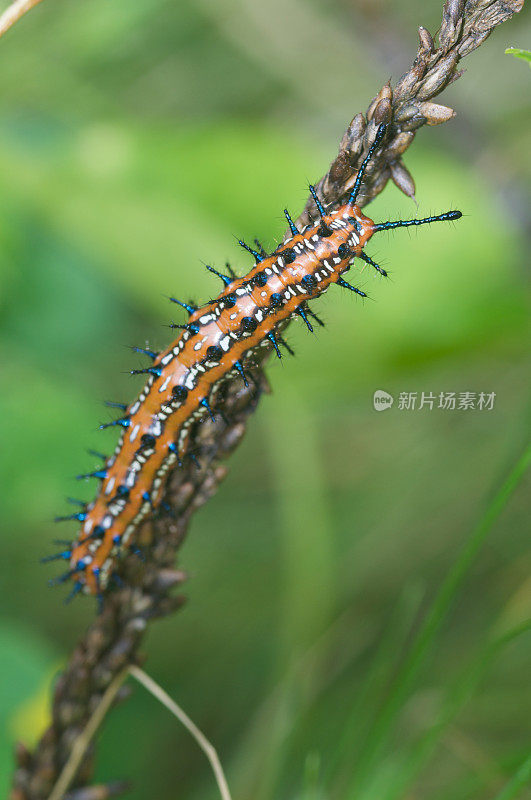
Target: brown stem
{"points": [[112, 642]]}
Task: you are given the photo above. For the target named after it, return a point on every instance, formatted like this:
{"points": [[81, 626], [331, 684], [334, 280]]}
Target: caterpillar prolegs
{"points": [[216, 341]]}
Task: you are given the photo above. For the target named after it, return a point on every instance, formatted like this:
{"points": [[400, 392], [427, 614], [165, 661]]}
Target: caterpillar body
{"points": [[216, 342]]}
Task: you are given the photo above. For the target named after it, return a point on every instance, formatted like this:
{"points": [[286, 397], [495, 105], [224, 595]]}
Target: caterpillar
{"points": [[217, 341]]}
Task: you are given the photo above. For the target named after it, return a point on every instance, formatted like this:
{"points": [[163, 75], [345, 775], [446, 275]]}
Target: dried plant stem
{"points": [[82, 742], [112, 643], [14, 12], [207, 748]]}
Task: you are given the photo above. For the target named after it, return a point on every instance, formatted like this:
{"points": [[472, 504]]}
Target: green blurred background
{"points": [[136, 140]]}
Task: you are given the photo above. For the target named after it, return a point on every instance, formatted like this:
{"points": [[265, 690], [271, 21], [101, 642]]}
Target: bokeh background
{"points": [[136, 140]]}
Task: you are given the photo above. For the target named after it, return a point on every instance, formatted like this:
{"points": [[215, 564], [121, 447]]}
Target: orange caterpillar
{"points": [[215, 342]]}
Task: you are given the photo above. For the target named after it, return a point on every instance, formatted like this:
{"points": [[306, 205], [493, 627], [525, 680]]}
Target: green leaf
{"points": [[517, 782], [519, 53], [419, 651]]}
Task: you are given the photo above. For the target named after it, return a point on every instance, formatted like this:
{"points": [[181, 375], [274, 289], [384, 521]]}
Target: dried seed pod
{"points": [[483, 20], [402, 178], [414, 124], [167, 605], [349, 184], [102, 676], [453, 11], [399, 145], [353, 136], [70, 738], [370, 135], [42, 779], [435, 81], [383, 111], [379, 182], [118, 656], [339, 171], [455, 76], [407, 84], [405, 112], [71, 712], [426, 40], [167, 578], [385, 93], [451, 24], [435, 113], [422, 58]]}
